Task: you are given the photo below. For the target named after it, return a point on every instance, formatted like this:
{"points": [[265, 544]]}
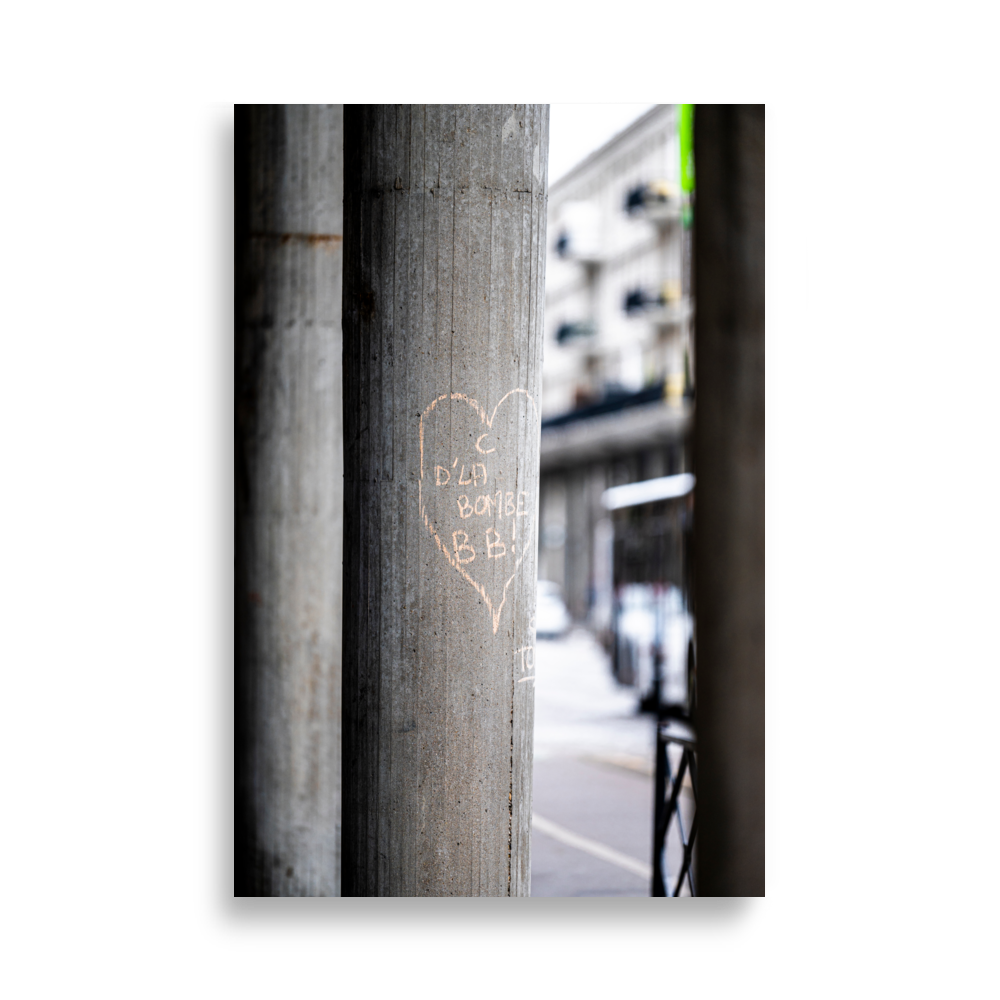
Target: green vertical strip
{"points": [[686, 132]]}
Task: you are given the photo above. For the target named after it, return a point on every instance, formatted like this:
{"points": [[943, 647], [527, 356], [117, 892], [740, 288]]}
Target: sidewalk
{"points": [[593, 776]]}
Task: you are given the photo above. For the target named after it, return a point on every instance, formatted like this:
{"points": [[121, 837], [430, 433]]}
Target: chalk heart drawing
{"points": [[473, 496]]}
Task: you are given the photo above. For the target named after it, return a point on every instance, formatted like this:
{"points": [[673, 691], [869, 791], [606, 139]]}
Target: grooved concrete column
{"points": [[729, 512], [443, 294], [289, 498], [578, 549]]}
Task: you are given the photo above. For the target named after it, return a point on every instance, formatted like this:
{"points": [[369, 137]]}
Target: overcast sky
{"points": [[575, 130]]}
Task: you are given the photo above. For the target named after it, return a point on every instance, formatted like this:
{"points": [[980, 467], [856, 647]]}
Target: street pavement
{"points": [[593, 776]]}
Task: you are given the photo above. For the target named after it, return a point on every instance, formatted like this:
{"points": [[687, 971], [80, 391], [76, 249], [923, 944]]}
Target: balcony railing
{"points": [[566, 332], [658, 305], [658, 201]]}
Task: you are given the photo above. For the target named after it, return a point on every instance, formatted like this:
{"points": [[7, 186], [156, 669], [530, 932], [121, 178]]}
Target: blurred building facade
{"points": [[618, 367]]}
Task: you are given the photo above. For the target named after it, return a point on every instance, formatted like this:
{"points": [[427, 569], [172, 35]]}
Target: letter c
{"points": [[479, 449]]}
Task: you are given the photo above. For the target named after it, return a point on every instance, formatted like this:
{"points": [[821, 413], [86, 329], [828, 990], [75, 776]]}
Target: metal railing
{"points": [[673, 778]]}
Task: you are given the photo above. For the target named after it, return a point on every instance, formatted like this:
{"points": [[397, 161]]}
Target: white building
{"points": [[618, 366], [615, 230]]}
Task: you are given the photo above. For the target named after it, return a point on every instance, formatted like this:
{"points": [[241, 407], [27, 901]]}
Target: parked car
{"points": [[551, 617], [652, 646]]}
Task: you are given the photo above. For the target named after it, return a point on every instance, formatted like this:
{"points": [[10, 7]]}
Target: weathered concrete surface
{"points": [[443, 294], [289, 503], [729, 512]]}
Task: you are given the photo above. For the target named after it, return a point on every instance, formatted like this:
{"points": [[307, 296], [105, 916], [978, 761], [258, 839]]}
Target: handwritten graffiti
{"points": [[471, 490]]}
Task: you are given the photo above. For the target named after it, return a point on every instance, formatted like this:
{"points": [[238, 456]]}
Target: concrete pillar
{"points": [[602, 558], [553, 511], [443, 293], [289, 498], [578, 544], [729, 506]]}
